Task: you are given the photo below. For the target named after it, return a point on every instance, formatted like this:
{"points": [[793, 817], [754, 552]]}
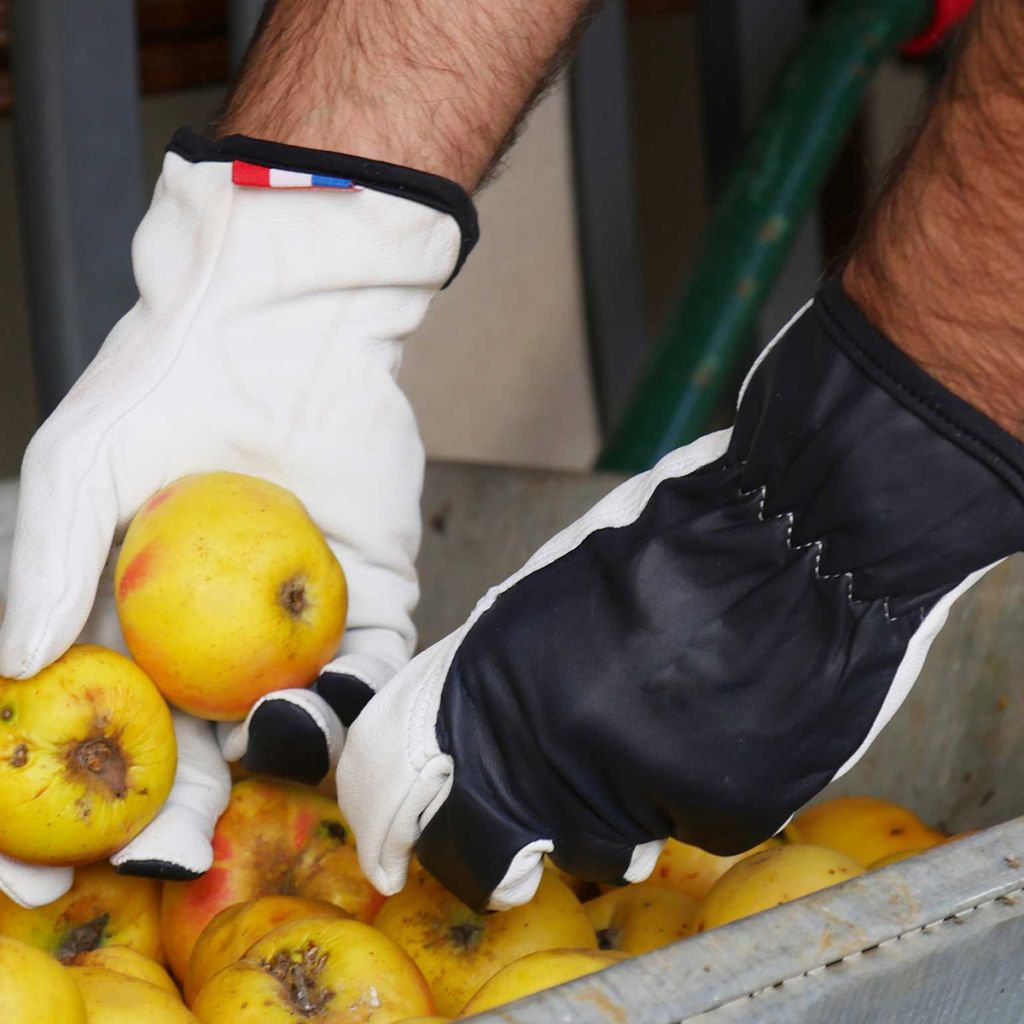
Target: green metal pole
{"points": [[777, 177]]}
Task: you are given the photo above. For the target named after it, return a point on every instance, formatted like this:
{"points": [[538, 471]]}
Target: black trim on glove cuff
{"points": [[420, 186], [918, 391]]}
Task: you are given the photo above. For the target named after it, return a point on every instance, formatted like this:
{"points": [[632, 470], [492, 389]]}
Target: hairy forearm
{"points": [[438, 85], [938, 264]]}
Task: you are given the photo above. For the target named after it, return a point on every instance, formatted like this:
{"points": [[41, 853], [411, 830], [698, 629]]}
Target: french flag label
{"points": [[254, 176]]}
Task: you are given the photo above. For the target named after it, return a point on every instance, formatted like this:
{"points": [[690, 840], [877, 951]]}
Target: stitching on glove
{"points": [[818, 543]]}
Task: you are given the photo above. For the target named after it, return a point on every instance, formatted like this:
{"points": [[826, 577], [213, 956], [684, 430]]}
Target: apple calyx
{"points": [[292, 596], [466, 935], [101, 761], [82, 939], [334, 830], [298, 971]]}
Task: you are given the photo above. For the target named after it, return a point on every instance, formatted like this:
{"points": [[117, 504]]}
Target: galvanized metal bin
{"points": [[938, 938]]}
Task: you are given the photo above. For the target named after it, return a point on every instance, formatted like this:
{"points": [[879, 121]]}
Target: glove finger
{"points": [[593, 859], [481, 856], [177, 843], [32, 885], [367, 660], [288, 734], [64, 527]]}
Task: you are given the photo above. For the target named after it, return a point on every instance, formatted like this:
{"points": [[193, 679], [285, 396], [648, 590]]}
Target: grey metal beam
{"points": [[743, 46], [80, 175], [606, 210]]}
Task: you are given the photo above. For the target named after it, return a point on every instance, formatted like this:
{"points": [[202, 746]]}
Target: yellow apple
{"points": [[124, 960], [87, 758], [275, 838], [317, 971], [642, 917], [35, 989], [692, 871], [771, 877], [102, 908], [862, 827], [458, 950], [537, 971], [226, 938], [113, 998], [226, 590]]}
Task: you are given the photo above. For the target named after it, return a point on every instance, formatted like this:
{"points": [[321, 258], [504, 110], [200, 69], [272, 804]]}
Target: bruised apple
{"points": [[102, 908], [317, 972], [274, 839], [87, 758], [124, 960], [538, 971], [458, 950], [639, 918], [226, 938], [226, 590], [35, 989], [112, 998]]}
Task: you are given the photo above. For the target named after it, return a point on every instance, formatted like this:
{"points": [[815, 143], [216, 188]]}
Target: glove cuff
{"points": [[882, 474], [895, 372], [333, 170]]}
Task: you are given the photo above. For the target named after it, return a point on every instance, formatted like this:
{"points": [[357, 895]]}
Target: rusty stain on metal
{"points": [[607, 1007]]}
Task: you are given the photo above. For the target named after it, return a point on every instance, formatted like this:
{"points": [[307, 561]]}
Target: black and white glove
{"points": [[709, 646]]}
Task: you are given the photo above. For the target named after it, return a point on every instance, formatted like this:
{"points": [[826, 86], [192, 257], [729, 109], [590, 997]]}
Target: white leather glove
{"points": [[266, 341], [709, 646]]}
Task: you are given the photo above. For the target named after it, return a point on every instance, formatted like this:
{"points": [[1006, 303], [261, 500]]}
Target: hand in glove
{"points": [[709, 646], [275, 287]]}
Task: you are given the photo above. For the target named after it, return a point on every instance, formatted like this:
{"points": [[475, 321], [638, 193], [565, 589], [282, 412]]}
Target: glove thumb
{"points": [[32, 885]]}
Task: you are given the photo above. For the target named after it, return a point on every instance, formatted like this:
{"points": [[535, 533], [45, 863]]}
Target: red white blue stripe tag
{"points": [[254, 176]]}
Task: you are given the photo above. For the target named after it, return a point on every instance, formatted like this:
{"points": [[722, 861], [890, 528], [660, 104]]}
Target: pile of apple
{"points": [[284, 928]]}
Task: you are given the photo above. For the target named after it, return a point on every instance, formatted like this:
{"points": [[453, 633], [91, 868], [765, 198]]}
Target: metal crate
{"points": [[938, 938]]}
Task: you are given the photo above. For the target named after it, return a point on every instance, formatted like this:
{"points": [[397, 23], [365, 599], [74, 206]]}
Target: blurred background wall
{"points": [[500, 370]]}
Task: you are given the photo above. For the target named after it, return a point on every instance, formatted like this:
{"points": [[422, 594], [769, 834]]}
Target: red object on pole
{"points": [[948, 14]]}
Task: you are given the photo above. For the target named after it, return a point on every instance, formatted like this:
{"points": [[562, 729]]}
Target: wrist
{"points": [[936, 265]]}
